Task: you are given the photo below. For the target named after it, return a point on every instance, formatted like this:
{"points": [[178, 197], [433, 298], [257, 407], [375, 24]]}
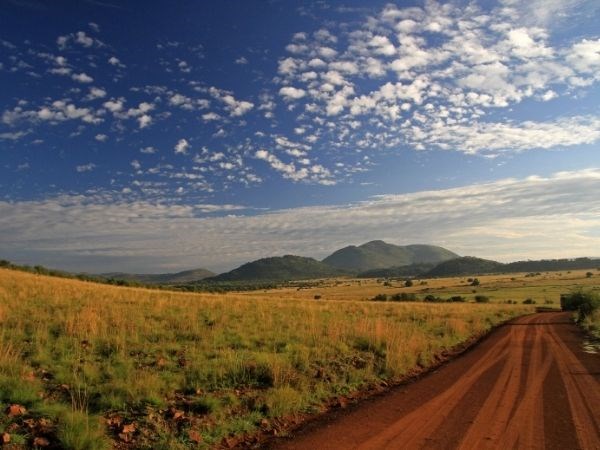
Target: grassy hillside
{"points": [[470, 265], [379, 255], [466, 265], [282, 268], [94, 366], [186, 276]]}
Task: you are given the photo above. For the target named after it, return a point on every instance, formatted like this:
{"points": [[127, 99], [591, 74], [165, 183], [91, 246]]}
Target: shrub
{"points": [[482, 299], [585, 303], [408, 283], [475, 282], [404, 297], [529, 301], [77, 431], [317, 297], [589, 274], [433, 299], [380, 298], [457, 298]]}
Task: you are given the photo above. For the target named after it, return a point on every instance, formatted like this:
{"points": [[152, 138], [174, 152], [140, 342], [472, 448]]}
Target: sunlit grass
{"points": [[75, 351]]}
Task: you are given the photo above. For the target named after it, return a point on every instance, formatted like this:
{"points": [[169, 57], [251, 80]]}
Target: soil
{"points": [[529, 385]]}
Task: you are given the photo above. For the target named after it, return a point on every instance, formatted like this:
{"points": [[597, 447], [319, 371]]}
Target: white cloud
{"points": [[291, 93], [101, 137], [96, 93], [114, 106], [144, 120], [82, 77], [148, 150], [85, 167], [84, 39], [242, 60], [182, 147], [584, 56]]}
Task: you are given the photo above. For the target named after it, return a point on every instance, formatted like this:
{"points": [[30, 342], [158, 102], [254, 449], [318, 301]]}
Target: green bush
{"points": [[585, 303], [404, 297], [380, 298], [482, 299]]}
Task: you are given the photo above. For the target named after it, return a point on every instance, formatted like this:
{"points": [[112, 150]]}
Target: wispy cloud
{"points": [[509, 219]]}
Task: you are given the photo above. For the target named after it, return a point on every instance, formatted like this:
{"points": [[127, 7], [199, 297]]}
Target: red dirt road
{"points": [[529, 385]]}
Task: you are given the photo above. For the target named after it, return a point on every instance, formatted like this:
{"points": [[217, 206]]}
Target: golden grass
{"points": [[227, 361]]}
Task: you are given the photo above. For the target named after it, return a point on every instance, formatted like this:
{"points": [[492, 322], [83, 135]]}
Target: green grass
{"points": [[79, 354]]}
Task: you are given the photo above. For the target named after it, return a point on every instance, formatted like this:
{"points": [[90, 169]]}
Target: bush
{"points": [[529, 301], [589, 274], [457, 298], [482, 299], [475, 282], [408, 283], [433, 299], [585, 303], [404, 297], [380, 298]]}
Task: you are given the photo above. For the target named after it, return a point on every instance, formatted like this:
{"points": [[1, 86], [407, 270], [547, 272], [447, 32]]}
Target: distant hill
{"points": [[279, 268], [470, 265], [466, 265], [380, 255], [545, 265], [187, 276]]}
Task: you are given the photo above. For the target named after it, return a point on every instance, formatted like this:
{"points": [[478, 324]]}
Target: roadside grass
{"points": [[91, 363]]}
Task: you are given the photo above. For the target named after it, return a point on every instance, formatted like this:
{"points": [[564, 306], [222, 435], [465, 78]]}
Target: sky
{"points": [[210, 133]]}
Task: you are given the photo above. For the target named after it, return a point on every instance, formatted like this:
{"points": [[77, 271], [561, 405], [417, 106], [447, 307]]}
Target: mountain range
{"points": [[186, 276], [374, 259]]}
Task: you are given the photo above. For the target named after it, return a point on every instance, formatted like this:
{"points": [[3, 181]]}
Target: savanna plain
{"points": [[90, 366]]}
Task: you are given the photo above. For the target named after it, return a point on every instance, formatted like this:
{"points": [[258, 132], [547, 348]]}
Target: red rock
{"points": [[195, 436], [41, 442], [129, 428], [15, 410]]}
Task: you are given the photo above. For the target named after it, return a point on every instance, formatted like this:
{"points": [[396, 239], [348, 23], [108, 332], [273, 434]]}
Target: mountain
{"points": [[186, 276], [279, 268], [470, 265], [466, 265], [380, 255]]}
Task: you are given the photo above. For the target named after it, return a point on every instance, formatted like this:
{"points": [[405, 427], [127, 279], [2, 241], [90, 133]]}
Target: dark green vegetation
{"points": [[467, 265], [584, 303], [280, 268], [187, 276], [470, 265], [411, 270], [380, 255]]}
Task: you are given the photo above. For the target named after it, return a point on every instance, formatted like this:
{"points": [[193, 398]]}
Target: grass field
{"points": [[88, 366], [546, 286]]}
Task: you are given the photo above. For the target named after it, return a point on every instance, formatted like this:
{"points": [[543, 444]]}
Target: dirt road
{"points": [[529, 385]]}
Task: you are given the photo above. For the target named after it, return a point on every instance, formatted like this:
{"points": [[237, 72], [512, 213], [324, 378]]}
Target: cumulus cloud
{"points": [[291, 93], [181, 147], [82, 77], [510, 219]]}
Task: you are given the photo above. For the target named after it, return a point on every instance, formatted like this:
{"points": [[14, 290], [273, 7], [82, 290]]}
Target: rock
{"points": [[5, 438], [16, 410], [41, 442], [128, 428], [195, 436]]}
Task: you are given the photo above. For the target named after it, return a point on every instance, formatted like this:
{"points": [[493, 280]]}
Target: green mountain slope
{"points": [[380, 255], [466, 265], [279, 268], [187, 276]]}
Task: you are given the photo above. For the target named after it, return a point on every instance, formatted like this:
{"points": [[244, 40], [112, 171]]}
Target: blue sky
{"points": [[190, 134]]}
